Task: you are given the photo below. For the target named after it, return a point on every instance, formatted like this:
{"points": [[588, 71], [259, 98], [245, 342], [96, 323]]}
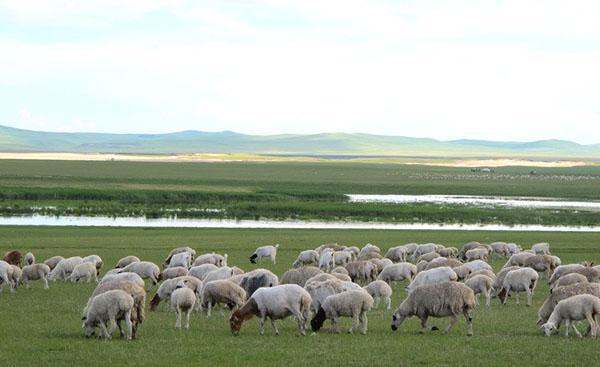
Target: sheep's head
{"points": [[89, 327], [235, 322], [549, 328], [397, 320], [317, 322]]}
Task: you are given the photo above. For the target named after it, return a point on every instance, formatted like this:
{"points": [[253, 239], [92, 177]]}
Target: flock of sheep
{"points": [[326, 283]]}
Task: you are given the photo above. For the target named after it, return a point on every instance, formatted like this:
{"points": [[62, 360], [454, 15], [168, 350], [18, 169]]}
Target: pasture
{"points": [[44, 328]]}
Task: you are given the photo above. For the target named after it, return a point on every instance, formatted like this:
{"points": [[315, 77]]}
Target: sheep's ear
{"points": [[83, 318]]}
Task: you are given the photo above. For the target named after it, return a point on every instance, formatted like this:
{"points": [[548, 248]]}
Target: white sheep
{"points": [[201, 271], [64, 268], [342, 257], [542, 248], [397, 254], [481, 284], [575, 308], [96, 260], [355, 304], [123, 262], [563, 270], [477, 254], [174, 272], [339, 270], [476, 265], [224, 272], [518, 280], [105, 309], [568, 279], [167, 287], [6, 276], [145, 269], [15, 275], [183, 300], [368, 251], [423, 249], [320, 290], [212, 258], [362, 270], [85, 271], [397, 272], [326, 260], [35, 272], [307, 257], [518, 259], [262, 252], [28, 259], [222, 292], [435, 275], [379, 290], [53, 261], [182, 259], [299, 275], [179, 250], [129, 276]]}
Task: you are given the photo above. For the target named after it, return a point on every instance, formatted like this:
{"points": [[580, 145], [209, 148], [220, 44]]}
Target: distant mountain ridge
{"points": [[192, 141]]}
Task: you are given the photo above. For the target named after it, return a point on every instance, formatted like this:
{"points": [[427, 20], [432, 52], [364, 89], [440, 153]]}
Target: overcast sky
{"points": [[497, 70]]}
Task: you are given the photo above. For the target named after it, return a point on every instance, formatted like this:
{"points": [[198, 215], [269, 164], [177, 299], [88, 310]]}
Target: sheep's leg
{"points": [[453, 320], [477, 299], [355, 321], [187, 318], [363, 322], [45, 283], [506, 294], [120, 328], [275, 331], [103, 332], [377, 300], [334, 325], [488, 297], [575, 330], [424, 327], [567, 327], [529, 297], [178, 318], [128, 325], [469, 320], [517, 296], [262, 323], [209, 309], [593, 327], [388, 302]]}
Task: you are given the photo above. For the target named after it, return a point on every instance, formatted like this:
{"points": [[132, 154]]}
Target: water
{"points": [[514, 202], [44, 220]]}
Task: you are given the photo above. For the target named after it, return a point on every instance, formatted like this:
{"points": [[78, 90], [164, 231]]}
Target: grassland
{"points": [[43, 327], [297, 190]]}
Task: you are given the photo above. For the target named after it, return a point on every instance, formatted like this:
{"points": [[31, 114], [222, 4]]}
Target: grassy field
{"points": [[285, 190], [43, 327]]}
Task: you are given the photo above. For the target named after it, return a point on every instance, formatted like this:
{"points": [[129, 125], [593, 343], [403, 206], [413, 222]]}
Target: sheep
{"points": [[138, 293], [524, 279], [424, 249], [448, 252], [436, 275], [35, 272], [329, 246], [326, 260], [170, 273], [182, 259], [132, 277], [183, 300], [201, 271], [367, 251], [362, 270], [299, 275], [320, 278], [264, 252], [568, 279], [498, 289], [168, 286], [28, 259], [222, 292], [354, 304], [215, 259], [96, 260], [575, 308], [518, 259], [398, 272], [258, 278], [442, 261], [179, 250], [481, 284], [15, 275], [320, 290], [564, 270], [13, 257], [428, 256], [462, 272], [501, 249], [381, 263], [379, 290], [397, 254], [6, 276], [339, 270], [85, 271], [224, 272], [542, 248], [513, 248], [64, 268], [308, 257], [477, 254], [354, 251], [437, 300], [105, 309], [342, 277], [145, 269], [592, 275], [123, 262], [485, 272], [342, 257], [276, 303], [53, 261], [466, 247], [369, 256], [476, 265], [560, 293], [541, 263]]}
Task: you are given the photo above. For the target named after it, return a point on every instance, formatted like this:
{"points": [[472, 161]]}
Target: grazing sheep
{"points": [[381, 263], [362, 270], [592, 275], [513, 248], [428, 256], [329, 246], [321, 278], [64, 268], [568, 279], [485, 272], [168, 286], [354, 250], [466, 247], [477, 254], [369, 256], [183, 300], [499, 291], [123, 262], [575, 308], [436, 275], [264, 252], [462, 272], [224, 272], [15, 275], [326, 260], [182, 259], [342, 257], [518, 259], [179, 250], [35, 272], [28, 259], [398, 272], [481, 284], [105, 309], [397, 254], [276, 303], [442, 261], [541, 263], [145, 269], [518, 280], [353, 304], [84, 271], [132, 277], [299, 275], [96, 260], [476, 265], [6, 276], [319, 291], [560, 293], [501, 249], [448, 252], [438, 300], [379, 290], [541, 248], [368, 252], [53, 261], [13, 257], [258, 278], [308, 257], [222, 292], [215, 259], [170, 273], [201, 271], [564, 270]]}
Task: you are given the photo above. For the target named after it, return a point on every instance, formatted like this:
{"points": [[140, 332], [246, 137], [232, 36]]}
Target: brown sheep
{"points": [[13, 257]]}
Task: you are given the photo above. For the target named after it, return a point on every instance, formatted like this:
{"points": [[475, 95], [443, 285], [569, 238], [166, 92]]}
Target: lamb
{"points": [[123, 262], [560, 293], [107, 308], [398, 272], [264, 252], [477, 254], [96, 260], [256, 279], [201, 271], [308, 257], [179, 250], [145, 269], [53, 261], [568, 279], [342, 257], [215, 259], [541, 248], [182, 259], [481, 284], [35, 272], [13, 257], [564, 270], [64, 268], [354, 304], [168, 286], [437, 300], [183, 300], [575, 308], [524, 279], [15, 275], [132, 277], [299, 275], [326, 260], [276, 303], [28, 259], [379, 290], [222, 292], [362, 270], [500, 280], [170, 273], [85, 271], [436, 275], [6, 276]]}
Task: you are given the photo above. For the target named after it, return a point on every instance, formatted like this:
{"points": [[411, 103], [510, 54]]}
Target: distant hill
{"points": [[19, 140]]}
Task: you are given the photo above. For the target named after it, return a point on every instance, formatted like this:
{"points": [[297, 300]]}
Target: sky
{"points": [[496, 70]]}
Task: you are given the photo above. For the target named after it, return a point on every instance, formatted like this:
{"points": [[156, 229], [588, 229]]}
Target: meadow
{"points": [[43, 327]]}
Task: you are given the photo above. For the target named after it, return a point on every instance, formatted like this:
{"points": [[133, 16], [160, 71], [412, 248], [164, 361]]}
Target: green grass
{"points": [[43, 327]]}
